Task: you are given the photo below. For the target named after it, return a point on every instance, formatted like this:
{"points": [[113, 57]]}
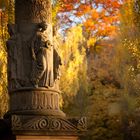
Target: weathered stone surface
{"points": [[47, 125], [33, 11], [39, 101], [32, 58], [33, 69], [33, 76]]}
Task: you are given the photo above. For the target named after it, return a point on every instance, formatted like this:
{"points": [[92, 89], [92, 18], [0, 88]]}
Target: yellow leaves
{"points": [[1, 90], [129, 46], [55, 9], [72, 54], [91, 42], [75, 35], [72, 44], [3, 71], [133, 47], [3, 4], [127, 13], [7, 16], [98, 49], [1, 54]]}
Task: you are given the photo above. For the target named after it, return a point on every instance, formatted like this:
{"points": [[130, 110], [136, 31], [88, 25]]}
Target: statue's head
{"points": [[42, 26]]}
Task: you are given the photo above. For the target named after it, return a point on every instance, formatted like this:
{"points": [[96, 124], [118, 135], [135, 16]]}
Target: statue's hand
{"points": [[48, 44]]}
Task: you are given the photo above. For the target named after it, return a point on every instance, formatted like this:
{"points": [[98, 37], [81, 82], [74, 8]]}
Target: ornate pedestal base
{"points": [[29, 125], [37, 116]]}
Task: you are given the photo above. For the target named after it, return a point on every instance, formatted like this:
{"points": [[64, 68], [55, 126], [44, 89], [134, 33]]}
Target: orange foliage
{"points": [[84, 8], [89, 24], [66, 7], [93, 14]]}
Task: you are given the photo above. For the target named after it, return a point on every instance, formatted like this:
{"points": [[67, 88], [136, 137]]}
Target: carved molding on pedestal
{"points": [[47, 124], [40, 101]]}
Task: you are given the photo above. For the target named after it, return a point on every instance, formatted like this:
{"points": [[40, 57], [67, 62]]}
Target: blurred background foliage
{"points": [[101, 66], [6, 16]]}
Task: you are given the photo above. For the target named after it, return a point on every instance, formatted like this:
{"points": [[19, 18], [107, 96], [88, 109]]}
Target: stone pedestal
{"points": [[37, 116], [35, 101], [46, 138]]}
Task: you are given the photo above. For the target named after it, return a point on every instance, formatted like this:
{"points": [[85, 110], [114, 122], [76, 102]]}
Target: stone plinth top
{"points": [[46, 138]]}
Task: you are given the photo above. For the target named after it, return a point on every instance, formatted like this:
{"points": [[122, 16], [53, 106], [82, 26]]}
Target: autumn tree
{"points": [[114, 97], [98, 17], [74, 69], [128, 66]]}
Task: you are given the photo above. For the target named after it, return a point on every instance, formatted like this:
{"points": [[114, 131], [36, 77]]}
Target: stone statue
{"points": [[33, 75], [42, 74], [57, 72], [14, 54], [56, 60], [32, 59]]}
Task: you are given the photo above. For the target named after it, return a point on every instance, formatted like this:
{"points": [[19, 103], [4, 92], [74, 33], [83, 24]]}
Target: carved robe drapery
{"points": [[15, 58], [42, 73], [42, 51]]}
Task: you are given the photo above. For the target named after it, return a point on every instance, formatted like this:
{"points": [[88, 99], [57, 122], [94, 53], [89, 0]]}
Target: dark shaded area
{"points": [[5, 130]]}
